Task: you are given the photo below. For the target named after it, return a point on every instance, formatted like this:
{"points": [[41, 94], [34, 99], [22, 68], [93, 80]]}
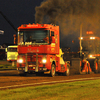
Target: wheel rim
{"points": [[67, 70], [53, 70]]}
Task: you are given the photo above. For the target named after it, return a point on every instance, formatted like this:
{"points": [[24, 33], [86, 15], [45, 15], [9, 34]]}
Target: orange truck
{"points": [[39, 50]]}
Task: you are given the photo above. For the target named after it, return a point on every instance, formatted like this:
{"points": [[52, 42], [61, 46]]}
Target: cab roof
{"points": [[37, 26]]}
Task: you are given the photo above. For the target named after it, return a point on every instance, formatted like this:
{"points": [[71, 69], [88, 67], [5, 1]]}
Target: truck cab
{"points": [[12, 53]]}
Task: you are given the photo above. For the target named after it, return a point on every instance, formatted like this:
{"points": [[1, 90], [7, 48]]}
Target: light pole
{"points": [[81, 40]]}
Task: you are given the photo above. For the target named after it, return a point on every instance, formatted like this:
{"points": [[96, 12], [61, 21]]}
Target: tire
{"points": [[67, 73], [99, 65], [94, 65], [53, 71]]}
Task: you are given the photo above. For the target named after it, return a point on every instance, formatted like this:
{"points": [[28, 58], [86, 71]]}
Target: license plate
{"points": [[44, 68]]}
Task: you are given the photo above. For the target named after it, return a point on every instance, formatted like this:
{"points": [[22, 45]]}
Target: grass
{"points": [[81, 90], [5, 65]]}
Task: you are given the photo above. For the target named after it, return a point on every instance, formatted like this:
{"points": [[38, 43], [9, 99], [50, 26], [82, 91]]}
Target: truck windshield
{"points": [[34, 36], [12, 49]]}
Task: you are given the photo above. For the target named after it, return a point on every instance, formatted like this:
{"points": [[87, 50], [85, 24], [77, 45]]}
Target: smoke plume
{"points": [[70, 14]]}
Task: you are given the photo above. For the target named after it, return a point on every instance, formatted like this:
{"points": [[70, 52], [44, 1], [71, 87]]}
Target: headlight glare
{"points": [[44, 60], [20, 60], [90, 56]]}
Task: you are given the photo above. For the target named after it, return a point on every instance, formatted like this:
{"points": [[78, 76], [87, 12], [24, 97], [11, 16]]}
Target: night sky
{"points": [[68, 14], [18, 12]]}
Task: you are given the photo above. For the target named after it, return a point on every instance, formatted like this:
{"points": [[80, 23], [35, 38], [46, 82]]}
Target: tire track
{"points": [[46, 83]]}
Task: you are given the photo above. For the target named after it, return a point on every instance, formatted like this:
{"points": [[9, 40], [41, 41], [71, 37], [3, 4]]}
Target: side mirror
{"points": [[6, 49], [53, 39]]}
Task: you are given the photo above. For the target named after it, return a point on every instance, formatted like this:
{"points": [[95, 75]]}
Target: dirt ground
{"points": [[11, 77]]}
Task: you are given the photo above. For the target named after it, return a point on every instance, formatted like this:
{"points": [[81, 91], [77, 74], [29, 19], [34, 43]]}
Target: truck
{"points": [[12, 53], [39, 50]]}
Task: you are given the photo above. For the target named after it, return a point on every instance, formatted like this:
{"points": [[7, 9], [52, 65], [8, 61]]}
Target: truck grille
{"points": [[31, 59]]}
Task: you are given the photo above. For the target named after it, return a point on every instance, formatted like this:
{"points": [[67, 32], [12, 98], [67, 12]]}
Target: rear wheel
{"points": [[53, 71], [94, 65], [67, 72], [99, 65]]}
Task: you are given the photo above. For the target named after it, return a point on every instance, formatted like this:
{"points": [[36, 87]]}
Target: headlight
{"points": [[81, 38], [92, 38], [90, 56], [20, 60], [44, 60]]}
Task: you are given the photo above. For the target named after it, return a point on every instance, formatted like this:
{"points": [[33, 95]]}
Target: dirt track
{"points": [[8, 78]]}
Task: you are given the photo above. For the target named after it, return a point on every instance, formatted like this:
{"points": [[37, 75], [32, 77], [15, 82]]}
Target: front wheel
{"points": [[53, 71]]}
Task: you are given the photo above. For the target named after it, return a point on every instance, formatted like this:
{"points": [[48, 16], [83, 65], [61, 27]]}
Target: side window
{"points": [[21, 37], [52, 33]]}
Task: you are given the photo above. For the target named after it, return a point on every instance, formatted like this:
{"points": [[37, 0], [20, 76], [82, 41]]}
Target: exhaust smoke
{"points": [[69, 15]]}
